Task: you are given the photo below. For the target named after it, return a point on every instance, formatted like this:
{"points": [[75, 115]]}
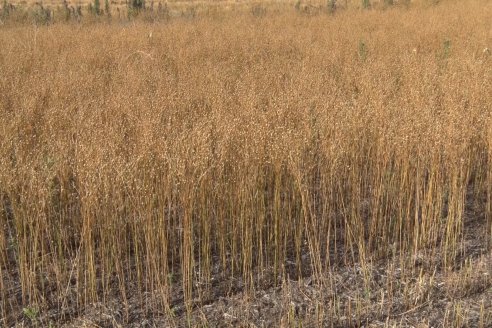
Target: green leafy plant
{"points": [[362, 50], [163, 11], [298, 5], [32, 314], [332, 6], [446, 48], [258, 11], [96, 8], [107, 8], [66, 11], [135, 7], [42, 15], [6, 9]]}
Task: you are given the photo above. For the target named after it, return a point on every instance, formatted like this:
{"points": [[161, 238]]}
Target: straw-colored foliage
{"points": [[164, 166]]}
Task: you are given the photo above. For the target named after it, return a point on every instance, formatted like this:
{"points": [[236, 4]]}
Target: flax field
{"points": [[278, 166]]}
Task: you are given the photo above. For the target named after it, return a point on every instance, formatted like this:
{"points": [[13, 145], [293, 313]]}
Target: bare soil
{"points": [[416, 292]]}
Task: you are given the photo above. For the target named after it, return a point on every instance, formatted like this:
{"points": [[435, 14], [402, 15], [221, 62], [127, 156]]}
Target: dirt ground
{"points": [[389, 292]]}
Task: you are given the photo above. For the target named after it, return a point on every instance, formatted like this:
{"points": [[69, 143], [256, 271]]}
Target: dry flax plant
{"points": [[223, 156]]}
